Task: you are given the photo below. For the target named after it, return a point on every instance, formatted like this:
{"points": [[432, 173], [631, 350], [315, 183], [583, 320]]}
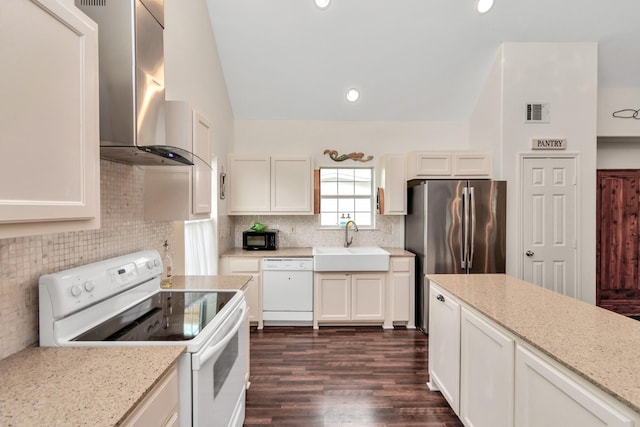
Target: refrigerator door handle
{"points": [[465, 229], [472, 208]]}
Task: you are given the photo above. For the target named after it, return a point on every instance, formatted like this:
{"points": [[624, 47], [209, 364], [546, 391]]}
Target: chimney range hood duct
{"points": [[132, 95]]}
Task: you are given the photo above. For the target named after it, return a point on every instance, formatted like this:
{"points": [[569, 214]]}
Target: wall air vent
{"points": [[537, 113], [93, 2]]}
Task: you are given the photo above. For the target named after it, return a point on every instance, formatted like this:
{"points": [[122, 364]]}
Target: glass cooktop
{"points": [[166, 316]]}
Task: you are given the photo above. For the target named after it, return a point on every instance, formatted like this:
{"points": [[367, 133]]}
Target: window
{"points": [[346, 193]]}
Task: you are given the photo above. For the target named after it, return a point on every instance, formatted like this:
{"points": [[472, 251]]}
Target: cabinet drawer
{"points": [[401, 264], [244, 265]]}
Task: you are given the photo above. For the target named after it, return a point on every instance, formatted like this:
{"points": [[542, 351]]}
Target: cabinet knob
{"points": [[440, 298], [529, 253]]}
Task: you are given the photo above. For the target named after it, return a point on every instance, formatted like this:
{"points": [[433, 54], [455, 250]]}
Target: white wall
{"points": [[618, 154], [485, 124], [193, 73], [615, 99], [564, 75], [620, 146], [371, 138]]}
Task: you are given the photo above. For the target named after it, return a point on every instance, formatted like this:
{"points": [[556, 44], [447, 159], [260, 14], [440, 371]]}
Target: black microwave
{"points": [[266, 240]]}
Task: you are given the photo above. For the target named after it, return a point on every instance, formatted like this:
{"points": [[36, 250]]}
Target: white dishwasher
{"points": [[287, 291]]}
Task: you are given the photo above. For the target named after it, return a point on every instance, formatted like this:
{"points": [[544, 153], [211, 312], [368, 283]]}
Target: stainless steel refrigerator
{"points": [[454, 227]]}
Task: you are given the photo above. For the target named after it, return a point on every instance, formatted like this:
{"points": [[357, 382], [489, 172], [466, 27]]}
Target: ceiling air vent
{"points": [[93, 2], [537, 113]]}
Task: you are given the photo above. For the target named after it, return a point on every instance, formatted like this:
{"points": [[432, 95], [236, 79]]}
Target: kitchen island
{"points": [[587, 345]]}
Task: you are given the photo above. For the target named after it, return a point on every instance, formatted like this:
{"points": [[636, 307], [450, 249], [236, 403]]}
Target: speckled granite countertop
{"points": [[297, 252], [599, 345], [79, 386], [210, 282]]}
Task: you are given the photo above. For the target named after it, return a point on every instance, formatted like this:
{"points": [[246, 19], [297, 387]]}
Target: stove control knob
{"points": [[156, 262], [89, 285], [76, 290], [149, 265]]}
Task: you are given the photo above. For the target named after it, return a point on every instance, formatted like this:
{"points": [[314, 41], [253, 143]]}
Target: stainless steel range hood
{"points": [[132, 95]]}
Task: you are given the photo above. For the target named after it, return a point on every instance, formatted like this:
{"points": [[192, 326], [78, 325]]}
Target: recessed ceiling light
{"points": [[484, 6], [353, 94], [322, 4]]}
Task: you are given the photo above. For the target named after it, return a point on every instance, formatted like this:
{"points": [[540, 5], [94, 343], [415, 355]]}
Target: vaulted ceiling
{"points": [[412, 60]]}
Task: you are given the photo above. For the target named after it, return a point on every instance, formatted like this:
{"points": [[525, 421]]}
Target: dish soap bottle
{"points": [[165, 280]]}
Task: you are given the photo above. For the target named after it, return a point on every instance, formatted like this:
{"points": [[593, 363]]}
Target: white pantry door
{"points": [[549, 242]]}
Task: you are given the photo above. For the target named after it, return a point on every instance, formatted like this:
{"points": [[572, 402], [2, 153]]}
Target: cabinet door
{"points": [[253, 293], [201, 178], [430, 164], [444, 346], [545, 396], [332, 297], [48, 119], [254, 299], [179, 193], [160, 407], [393, 179], [472, 164], [486, 373], [291, 184], [367, 296], [403, 288], [249, 184]]}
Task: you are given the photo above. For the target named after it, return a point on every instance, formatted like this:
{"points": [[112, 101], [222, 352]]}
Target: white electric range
{"points": [[119, 302]]}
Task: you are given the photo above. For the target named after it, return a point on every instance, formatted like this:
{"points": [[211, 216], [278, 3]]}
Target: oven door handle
{"points": [[200, 359]]}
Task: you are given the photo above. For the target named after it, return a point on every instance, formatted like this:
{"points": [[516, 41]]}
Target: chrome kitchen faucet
{"points": [[347, 241]]}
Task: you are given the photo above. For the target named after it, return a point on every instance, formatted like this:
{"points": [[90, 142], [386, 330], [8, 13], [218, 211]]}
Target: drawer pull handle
{"points": [[440, 298]]}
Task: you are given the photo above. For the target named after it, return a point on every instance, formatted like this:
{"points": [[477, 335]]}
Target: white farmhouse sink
{"points": [[356, 258]]}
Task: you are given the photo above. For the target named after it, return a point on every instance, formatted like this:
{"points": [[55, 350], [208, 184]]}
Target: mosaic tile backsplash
{"points": [[23, 260], [303, 231]]}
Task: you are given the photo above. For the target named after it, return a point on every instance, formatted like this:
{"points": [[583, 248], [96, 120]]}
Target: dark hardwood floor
{"points": [[339, 376]]}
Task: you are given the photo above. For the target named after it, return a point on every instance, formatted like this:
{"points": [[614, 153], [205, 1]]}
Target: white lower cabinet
{"points": [[249, 266], [348, 298], [547, 396], [444, 346], [160, 407], [492, 378], [401, 292], [486, 373]]}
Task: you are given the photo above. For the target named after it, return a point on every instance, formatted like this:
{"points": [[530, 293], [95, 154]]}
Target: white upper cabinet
{"points": [[448, 164], [471, 164], [50, 179], [291, 184], [248, 183], [263, 184], [201, 174], [176, 193], [393, 181]]}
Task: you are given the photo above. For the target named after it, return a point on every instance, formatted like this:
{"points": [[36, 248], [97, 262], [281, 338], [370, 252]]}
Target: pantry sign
{"points": [[549, 144]]}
